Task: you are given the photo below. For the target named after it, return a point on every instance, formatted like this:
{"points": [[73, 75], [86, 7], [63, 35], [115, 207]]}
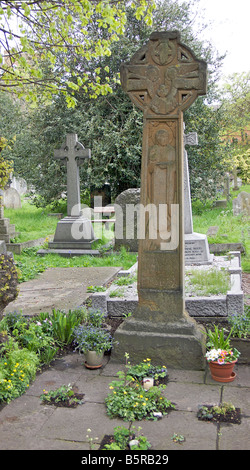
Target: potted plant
{"points": [[92, 342], [221, 356]]}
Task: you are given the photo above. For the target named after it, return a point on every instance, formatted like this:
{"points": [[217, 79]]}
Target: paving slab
{"points": [[27, 424], [59, 288]]}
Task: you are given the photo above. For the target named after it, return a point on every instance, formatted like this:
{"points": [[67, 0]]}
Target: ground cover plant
{"points": [[125, 439], [207, 282], [128, 399], [226, 412], [240, 324], [30, 265], [62, 396], [29, 344]]}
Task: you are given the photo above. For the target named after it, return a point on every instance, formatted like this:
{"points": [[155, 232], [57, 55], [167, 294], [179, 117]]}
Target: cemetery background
{"points": [[68, 262]]}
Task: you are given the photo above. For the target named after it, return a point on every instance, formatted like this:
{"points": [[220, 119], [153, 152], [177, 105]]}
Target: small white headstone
{"points": [[12, 199]]}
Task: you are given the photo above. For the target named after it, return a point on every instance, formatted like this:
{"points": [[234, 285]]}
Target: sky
{"points": [[229, 32]]}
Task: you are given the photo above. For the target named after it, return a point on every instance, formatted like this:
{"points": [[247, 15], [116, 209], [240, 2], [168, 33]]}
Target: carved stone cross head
{"points": [[164, 76]]}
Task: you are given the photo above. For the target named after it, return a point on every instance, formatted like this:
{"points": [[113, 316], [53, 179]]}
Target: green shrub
{"points": [[17, 368]]}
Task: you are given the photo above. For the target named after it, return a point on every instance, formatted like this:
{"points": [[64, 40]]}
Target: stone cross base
{"points": [[197, 249], [73, 233], [180, 344]]}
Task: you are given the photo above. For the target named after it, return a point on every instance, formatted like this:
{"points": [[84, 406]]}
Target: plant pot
{"points": [[222, 372], [147, 382], [93, 360]]}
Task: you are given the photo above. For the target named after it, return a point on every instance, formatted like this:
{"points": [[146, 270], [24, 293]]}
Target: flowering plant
{"points": [[222, 356], [89, 338]]}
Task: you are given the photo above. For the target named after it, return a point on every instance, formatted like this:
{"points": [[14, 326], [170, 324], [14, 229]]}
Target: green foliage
{"points": [[208, 282], [8, 281], [240, 323], [63, 325], [30, 265], [121, 439], [134, 403], [65, 393], [17, 368], [91, 338], [111, 126], [217, 339], [146, 369], [45, 32], [209, 413]]}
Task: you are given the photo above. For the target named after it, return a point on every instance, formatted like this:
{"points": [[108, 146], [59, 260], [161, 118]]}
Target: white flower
{"points": [[213, 354]]}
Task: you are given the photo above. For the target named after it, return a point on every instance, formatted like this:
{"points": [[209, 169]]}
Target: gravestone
{"points": [[104, 192], [163, 79], [126, 221], [241, 204], [12, 199], [196, 244], [74, 232], [7, 230]]}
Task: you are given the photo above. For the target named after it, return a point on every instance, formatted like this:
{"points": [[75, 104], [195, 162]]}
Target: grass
{"points": [[30, 265], [35, 223], [232, 229], [31, 222], [208, 282]]}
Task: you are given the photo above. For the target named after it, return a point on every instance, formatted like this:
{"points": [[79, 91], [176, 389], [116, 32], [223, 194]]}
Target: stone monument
{"points": [[163, 79], [196, 244], [74, 232]]}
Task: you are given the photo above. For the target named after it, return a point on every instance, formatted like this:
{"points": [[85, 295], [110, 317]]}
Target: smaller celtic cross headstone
{"points": [[74, 153], [74, 233]]}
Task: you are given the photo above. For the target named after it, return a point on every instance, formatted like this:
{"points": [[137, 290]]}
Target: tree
{"points": [[34, 33], [111, 126], [235, 133]]}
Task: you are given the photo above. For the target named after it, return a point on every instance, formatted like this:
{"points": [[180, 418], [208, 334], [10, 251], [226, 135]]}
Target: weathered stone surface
{"points": [[127, 226], [12, 199], [73, 232], [163, 79], [241, 204], [197, 249]]}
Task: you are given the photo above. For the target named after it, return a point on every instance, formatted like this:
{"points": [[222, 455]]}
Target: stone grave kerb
{"points": [[163, 79]]}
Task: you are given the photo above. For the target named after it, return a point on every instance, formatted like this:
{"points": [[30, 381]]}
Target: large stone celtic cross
{"points": [[163, 79]]}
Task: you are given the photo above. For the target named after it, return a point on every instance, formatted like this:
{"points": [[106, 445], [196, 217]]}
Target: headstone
{"points": [[12, 199], [241, 204], [127, 220], [104, 192], [7, 230], [163, 79], [19, 184], [196, 244], [74, 232]]}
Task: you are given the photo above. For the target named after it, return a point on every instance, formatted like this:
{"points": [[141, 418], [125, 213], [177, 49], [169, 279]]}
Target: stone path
{"points": [[26, 424], [59, 288]]}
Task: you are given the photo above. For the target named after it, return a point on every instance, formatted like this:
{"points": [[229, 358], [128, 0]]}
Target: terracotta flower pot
{"points": [[93, 359], [222, 372]]}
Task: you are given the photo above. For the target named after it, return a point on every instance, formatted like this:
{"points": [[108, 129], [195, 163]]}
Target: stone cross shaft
{"points": [[163, 79], [189, 139], [74, 153]]}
